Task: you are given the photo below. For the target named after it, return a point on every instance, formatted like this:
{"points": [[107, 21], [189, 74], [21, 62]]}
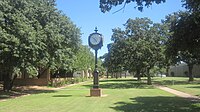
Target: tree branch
{"points": [[120, 9]]}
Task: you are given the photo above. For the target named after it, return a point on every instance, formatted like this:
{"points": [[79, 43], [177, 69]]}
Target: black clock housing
{"points": [[97, 46]]}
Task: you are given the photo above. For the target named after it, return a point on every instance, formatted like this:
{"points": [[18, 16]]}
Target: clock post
{"points": [[96, 74], [95, 41]]}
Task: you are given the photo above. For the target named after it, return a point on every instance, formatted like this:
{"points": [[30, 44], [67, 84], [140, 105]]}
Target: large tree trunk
{"points": [[191, 77], [148, 77], [138, 75], [167, 71], [112, 75], [125, 74], [8, 81], [107, 74], [116, 75], [12, 81]]}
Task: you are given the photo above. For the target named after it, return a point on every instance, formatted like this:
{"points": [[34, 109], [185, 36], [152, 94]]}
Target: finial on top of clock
{"points": [[95, 30]]}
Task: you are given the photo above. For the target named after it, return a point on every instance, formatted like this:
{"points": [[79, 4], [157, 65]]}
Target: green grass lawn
{"points": [[125, 95], [181, 84]]}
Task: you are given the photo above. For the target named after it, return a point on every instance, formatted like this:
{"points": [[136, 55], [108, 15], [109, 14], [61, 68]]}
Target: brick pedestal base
{"points": [[96, 92]]}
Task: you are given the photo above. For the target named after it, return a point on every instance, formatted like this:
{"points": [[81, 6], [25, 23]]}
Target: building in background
{"points": [[182, 70]]}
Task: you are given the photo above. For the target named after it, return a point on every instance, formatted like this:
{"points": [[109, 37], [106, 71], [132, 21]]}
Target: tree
{"points": [[107, 60], [139, 47], [113, 60], [192, 22], [116, 58], [84, 59], [192, 5], [145, 44], [34, 34], [19, 44], [106, 5], [183, 44], [100, 67]]}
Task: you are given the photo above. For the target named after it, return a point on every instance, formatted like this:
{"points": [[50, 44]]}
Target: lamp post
{"points": [[95, 41]]}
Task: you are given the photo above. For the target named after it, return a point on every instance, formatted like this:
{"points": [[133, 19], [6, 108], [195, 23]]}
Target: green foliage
{"points": [[106, 5], [84, 59], [157, 70], [63, 82], [100, 67], [184, 43], [34, 34], [138, 48], [192, 5]]}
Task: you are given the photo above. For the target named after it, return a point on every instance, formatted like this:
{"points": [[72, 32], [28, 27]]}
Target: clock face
{"points": [[95, 39]]}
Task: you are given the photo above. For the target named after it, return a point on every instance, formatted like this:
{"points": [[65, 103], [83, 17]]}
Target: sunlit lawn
{"points": [[181, 84], [124, 95]]}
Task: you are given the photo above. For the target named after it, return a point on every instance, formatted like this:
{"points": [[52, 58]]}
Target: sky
{"points": [[86, 15]]}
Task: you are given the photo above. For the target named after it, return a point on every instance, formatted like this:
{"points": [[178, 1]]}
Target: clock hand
{"points": [[95, 39]]}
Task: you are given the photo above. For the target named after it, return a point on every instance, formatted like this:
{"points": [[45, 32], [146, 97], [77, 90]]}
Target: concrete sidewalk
{"points": [[178, 93]]}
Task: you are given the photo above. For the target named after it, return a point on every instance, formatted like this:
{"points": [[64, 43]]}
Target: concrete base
{"points": [[95, 92]]}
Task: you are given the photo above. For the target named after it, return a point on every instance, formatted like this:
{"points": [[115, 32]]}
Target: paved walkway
{"points": [[178, 93]]}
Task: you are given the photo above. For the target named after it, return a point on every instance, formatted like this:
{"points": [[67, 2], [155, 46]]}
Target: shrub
{"points": [[61, 81]]}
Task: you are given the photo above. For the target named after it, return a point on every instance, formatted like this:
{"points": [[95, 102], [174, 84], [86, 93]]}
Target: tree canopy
{"points": [[84, 59], [106, 5], [138, 48], [35, 34], [184, 43]]}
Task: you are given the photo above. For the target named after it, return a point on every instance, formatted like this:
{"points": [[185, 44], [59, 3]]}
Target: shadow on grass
{"points": [[18, 93], [122, 84], [174, 82], [170, 82], [125, 85], [157, 104], [196, 87], [38, 91], [117, 80], [62, 95]]}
